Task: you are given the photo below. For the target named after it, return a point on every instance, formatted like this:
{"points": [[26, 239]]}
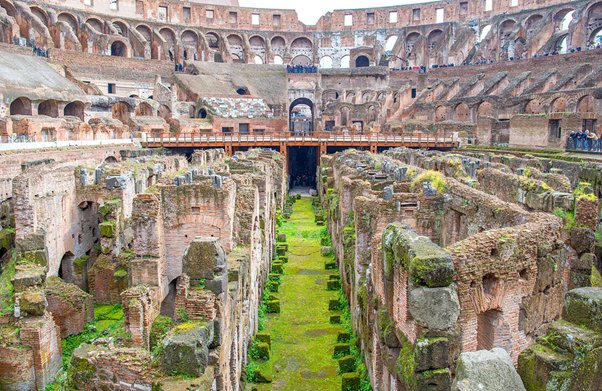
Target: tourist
{"points": [[573, 136], [581, 139], [592, 140]]}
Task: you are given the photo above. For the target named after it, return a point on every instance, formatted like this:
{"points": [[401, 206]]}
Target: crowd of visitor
{"points": [[585, 140], [301, 69]]}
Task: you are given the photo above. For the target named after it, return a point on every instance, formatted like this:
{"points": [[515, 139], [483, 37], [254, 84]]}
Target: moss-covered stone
{"points": [[33, 302], [343, 336], [333, 285], [261, 351], [334, 305], [264, 337], [431, 353], [261, 376], [346, 364], [386, 329], [277, 267], [350, 382], [38, 257], [273, 306], [330, 264], [274, 286], [159, 329], [107, 229], [583, 306], [341, 349], [335, 319]]}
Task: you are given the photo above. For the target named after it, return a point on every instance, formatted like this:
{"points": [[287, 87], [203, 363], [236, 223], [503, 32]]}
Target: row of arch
{"points": [[463, 113]]}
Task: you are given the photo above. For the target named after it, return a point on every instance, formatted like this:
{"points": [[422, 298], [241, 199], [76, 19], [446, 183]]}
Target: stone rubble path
{"points": [[302, 336]]}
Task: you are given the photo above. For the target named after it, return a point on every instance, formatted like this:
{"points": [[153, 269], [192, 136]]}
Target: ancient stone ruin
{"points": [[196, 195]]}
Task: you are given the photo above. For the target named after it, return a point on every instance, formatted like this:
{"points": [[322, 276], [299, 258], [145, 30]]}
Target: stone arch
{"points": [[190, 42], [119, 49], [168, 35], [329, 96], [74, 109], [21, 106], [563, 18], [69, 19], [484, 32], [390, 42], [297, 102], [462, 112], [121, 27], [301, 60], [533, 107], [164, 112], [278, 45], [562, 44], [362, 61], [121, 111], [49, 108], [96, 24], [66, 269], [258, 47], [302, 46], [586, 104], [410, 42], [485, 109], [326, 62], [9, 7], [531, 22], [145, 31], [212, 40], [278, 60], [372, 113], [434, 37], [345, 61], [345, 112], [40, 13], [440, 113], [144, 110], [558, 105], [237, 52]]}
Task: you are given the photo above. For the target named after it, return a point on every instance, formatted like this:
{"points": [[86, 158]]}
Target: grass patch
{"points": [[7, 292]]}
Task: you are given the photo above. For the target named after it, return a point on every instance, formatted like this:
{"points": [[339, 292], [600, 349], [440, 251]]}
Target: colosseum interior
{"points": [[197, 195]]}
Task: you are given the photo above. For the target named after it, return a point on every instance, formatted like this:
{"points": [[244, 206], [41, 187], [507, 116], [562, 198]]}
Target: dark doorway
{"points": [[362, 61], [302, 165]]}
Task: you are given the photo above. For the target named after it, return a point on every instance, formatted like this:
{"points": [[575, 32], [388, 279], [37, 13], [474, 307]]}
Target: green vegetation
{"points": [[7, 292], [568, 217], [583, 191], [121, 273], [159, 330], [108, 322], [302, 337], [436, 178]]}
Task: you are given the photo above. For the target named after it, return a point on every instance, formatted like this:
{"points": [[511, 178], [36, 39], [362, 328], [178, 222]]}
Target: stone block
{"points": [[335, 319], [33, 302], [274, 277], [107, 229], [568, 337], [582, 240], [431, 266], [341, 349], [346, 364], [431, 353], [350, 382], [204, 259], [27, 276], [583, 306], [262, 351], [435, 380], [261, 377], [264, 337], [434, 308], [326, 251], [38, 257], [281, 238], [343, 336], [116, 182], [334, 305], [487, 370], [273, 306], [273, 285], [281, 249], [31, 242], [330, 264], [185, 350], [333, 285], [319, 223], [277, 267]]}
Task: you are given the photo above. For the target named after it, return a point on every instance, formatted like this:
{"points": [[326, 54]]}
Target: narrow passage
{"points": [[302, 337]]}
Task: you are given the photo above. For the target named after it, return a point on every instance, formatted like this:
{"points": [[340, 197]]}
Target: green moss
{"points": [[7, 292], [159, 330], [121, 273], [406, 364], [109, 206], [107, 229], [568, 218], [436, 178]]}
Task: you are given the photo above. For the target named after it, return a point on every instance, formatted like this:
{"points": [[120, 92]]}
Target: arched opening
{"points": [[563, 19], [258, 47], [190, 42], [558, 105], [20, 106], [362, 62], [121, 28], [66, 271], [595, 39], [165, 112], [278, 60], [168, 304], [345, 61], [302, 46], [562, 44], [301, 116], [145, 31], [485, 109], [41, 14], [462, 113], [533, 107], [484, 31], [212, 40], [74, 109], [202, 113], [242, 91], [301, 60], [326, 62], [118, 49], [440, 113], [49, 108], [110, 159], [144, 110], [586, 104], [258, 59], [121, 111], [236, 48], [488, 329], [532, 23], [96, 25]]}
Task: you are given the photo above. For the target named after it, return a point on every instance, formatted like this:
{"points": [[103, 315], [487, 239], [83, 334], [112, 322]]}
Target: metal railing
{"points": [[583, 145], [288, 137]]}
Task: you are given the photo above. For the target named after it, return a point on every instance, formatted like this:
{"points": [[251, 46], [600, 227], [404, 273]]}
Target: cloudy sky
{"points": [[309, 11]]}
